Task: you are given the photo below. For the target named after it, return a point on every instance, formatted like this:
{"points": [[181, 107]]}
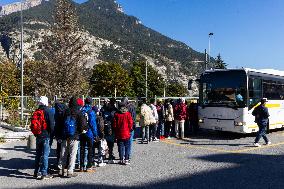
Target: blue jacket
{"points": [[91, 119]]}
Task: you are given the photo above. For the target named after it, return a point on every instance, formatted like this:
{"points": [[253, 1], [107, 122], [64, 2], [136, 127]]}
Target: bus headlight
{"points": [[239, 123], [201, 120]]}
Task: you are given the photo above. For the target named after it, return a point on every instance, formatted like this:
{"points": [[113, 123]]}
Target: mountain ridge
{"points": [[105, 19]]}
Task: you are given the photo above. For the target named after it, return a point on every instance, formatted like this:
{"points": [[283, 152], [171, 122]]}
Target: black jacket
{"points": [[81, 122], [261, 114]]}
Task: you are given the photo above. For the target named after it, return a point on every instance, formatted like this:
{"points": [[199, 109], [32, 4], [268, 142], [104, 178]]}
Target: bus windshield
{"points": [[224, 88]]}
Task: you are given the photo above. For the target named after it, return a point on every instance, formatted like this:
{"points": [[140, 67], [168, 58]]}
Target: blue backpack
{"points": [[69, 126]]}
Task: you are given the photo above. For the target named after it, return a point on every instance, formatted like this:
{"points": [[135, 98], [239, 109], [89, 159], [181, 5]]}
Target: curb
{"points": [[12, 128]]}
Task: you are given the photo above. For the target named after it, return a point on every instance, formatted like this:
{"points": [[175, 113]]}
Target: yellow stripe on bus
{"points": [[272, 105], [269, 105], [255, 126]]}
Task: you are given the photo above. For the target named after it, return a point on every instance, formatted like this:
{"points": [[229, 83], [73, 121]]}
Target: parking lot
{"points": [[206, 160]]}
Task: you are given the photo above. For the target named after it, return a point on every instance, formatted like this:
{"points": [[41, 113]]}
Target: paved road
{"points": [[209, 160]]}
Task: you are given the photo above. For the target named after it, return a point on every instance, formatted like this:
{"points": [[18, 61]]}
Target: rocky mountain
{"points": [[112, 36], [15, 7]]}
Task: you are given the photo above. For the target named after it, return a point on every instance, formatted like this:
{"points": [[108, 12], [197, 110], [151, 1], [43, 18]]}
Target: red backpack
{"points": [[38, 123]]}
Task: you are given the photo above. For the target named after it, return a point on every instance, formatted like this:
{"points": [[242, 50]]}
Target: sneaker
{"points": [[257, 144], [268, 143], [45, 177], [169, 138], [127, 162], [37, 175], [72, 175], [111, 161], [162, 137], [155, 140], [102, 164], [90, 170], [121, 162], [82, 170]]}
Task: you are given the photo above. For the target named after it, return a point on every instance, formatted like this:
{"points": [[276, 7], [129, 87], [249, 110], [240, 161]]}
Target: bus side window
{"points": [[255, 91]]}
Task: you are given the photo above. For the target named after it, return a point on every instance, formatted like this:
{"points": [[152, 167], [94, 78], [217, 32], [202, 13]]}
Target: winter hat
{"points": [[88, 100], [80, 102], [43, 100], [121, 105]]}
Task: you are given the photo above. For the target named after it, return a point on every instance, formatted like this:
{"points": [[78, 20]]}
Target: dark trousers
{"points": [[153, 131], [58, 150], [168, 128], [110, 145], [123, 148], [261, 133], [86, 141]]}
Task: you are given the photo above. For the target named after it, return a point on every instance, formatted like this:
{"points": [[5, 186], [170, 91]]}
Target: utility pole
{"points": [[146, 77], [22, 65], [205, 59], [210, 34]]}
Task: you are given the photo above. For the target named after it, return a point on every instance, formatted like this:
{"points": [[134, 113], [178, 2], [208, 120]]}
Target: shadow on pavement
{"points": [[248, 171]]}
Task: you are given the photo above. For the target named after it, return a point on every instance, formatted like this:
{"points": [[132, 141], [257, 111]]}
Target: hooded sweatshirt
{"points": [[122, 123], [81, 122], [131, 108]]}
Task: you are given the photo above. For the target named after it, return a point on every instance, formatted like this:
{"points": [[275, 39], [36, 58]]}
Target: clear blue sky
{"points": [[247, 33]]}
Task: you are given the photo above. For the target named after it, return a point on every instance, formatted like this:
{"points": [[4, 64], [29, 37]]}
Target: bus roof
{"points": [[264, 71]]}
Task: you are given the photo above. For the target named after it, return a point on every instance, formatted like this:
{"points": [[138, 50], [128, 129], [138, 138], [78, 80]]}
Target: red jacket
{"points": [[180, 111], [122, 124]]}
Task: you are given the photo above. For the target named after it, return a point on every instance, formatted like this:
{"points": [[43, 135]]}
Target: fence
{"points": [[10, 109]]}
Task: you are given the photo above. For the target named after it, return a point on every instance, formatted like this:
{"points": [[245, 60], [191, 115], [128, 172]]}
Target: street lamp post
{"points": [[22, 65], [209, 39]]}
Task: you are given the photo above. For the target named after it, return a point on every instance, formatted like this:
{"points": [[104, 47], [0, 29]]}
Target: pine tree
{"points": [[64, 48], [220, 64]]}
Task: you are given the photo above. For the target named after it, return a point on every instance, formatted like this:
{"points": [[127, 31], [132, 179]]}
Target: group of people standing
{"points": [[79, 128], [164, 120]]}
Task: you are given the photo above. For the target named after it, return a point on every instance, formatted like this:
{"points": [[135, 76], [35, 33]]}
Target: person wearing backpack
{"points": [[122, 124], [261, 118], [87, 139], [60, 109], [42, 125], [74, 124]]}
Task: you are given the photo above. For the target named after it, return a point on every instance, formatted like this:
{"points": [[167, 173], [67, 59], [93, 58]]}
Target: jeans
{"points": [[145, 133], [131, 141], [42, 153], [179, 125], [261, 133], [86, 150], [69, 147], [123, 148], [161, 129]]}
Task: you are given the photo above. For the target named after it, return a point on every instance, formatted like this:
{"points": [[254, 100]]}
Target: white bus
{"points": [[228, 97]]}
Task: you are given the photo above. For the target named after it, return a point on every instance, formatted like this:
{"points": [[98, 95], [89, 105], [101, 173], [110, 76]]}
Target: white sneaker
{"points": [[111, 161], [127, 162], [169, 138], [257, 144], [268, 143], [101, 164]]}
